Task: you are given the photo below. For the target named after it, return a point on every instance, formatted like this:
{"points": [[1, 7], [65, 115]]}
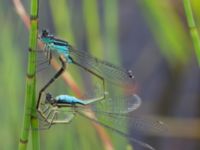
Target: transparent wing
{"points": [[117, 111], [118, 118], [143, 124], [116, 104], [105, 69], [51, 117], [116, 130]]}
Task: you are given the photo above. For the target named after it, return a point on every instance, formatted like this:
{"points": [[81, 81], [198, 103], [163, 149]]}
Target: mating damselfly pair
{"points": [[61, 109]]}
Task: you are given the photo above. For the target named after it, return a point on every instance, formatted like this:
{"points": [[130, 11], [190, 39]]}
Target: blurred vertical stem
{"points": [[111, 30], [92, 25], [95, 43], [111, 19], [193, 28], [31, 85], [168, 30], [66, 26], [60, 23]]}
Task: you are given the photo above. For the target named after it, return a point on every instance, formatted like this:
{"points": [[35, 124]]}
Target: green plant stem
{"points": [[167, 30], [111, 19], [193, 28], [95, 44], [66, 24], [29, 109], [111, 52], [93, 27]]}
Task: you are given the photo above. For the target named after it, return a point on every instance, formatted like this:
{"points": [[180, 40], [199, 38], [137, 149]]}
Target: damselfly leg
{"points": [[113, 119], [106, 70], [60, 71], [43, 60], [46, 110]]}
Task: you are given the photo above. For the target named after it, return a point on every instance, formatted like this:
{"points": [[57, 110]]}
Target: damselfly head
{"points": [[45, 37], [45, 33], [130, 74], [49, 99]]}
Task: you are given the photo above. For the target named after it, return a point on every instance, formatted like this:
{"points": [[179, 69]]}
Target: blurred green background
{"points": [[149, 36]]}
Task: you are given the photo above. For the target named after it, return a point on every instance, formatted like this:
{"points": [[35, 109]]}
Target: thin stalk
{"points": [[193, 28], [64, 30], [31, 85], [111, 52], [167, 30], [95, 46], [111, 19], [92, 25]]}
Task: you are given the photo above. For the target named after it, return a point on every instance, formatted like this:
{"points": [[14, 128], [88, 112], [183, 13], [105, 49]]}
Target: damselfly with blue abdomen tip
{"points": [[63, 108], [104, 69]]}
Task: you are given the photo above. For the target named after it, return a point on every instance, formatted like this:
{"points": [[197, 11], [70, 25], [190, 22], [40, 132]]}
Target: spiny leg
{"points": [[47, 119], [58, 73], [49, 57], [43, 123], [48, 54], [47, 61], [46, 109], [50, 123], [49, 114]]}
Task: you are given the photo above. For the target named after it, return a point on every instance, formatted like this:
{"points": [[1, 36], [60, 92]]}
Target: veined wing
{"points": [[117, 105], [115, 129], [139, 123], [118, 121], [117, 111], [105, 69]]}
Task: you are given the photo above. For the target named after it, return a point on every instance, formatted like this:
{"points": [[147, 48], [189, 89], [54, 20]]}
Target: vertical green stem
{"points": [[111, 30], [93, 27], [111, 21], [95, 42], [193, 28], [31, 85], [167, 30], [66, 24]]}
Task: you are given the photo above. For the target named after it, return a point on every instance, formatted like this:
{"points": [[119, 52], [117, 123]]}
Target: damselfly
{"points": [[104, 69], [111, 113], [63, 108]]}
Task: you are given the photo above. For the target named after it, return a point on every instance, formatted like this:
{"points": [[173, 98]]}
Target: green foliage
{"points": [[11, 77], [167, 29], [165, 24], [193, 29], [30, 94]]}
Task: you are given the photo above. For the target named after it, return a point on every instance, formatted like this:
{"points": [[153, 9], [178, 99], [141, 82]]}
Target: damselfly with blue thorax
{"points": [[82, 59], [109, 112], [62, 109]]}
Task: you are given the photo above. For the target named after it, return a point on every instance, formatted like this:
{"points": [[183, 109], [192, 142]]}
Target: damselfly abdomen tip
{"points": [[130, 74]]}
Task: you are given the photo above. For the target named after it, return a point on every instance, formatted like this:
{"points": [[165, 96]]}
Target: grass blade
{"points": [[193, 28], [31, 84]]}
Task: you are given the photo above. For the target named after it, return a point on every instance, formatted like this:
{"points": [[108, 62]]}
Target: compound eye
{"points": [[45, 33], [48, 97]]}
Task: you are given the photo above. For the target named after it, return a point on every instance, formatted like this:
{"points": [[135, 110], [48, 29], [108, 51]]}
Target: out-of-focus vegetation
{"points": [[193, 29], [150, 37]]}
